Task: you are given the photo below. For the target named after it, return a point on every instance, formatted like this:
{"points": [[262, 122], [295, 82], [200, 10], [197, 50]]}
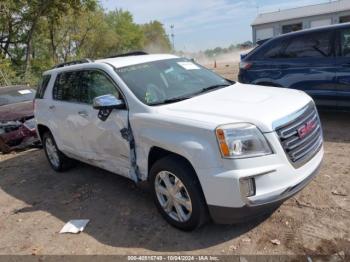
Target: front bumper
{"points": [[228, 215]]}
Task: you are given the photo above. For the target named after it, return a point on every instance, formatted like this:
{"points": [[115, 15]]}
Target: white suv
{"points": [[207, 146]]}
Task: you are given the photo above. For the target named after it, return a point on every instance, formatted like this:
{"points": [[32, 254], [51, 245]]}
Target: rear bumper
{"points": [[228, 215]]}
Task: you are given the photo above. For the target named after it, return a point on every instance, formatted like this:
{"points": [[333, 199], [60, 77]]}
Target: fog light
{"points": [[247, 187]]}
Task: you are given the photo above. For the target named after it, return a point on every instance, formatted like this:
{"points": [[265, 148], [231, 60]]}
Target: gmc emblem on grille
{"points": [[306, 129]]}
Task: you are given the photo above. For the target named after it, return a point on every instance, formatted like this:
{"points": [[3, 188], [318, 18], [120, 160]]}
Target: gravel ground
{"points": [[36, 202]]}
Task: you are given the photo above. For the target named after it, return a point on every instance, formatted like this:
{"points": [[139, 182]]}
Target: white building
{"points": [[268, 25]]}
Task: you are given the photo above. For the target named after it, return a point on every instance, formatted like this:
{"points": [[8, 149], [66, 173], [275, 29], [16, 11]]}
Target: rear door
{"points": [[343, 69], [63, 113], [308, 63]]}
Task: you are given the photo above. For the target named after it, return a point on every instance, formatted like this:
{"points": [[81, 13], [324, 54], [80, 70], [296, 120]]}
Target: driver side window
{"points": [[94, 83]]}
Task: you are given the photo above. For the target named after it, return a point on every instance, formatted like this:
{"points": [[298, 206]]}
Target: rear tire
{"points": [[57, 160], [177, 193]]}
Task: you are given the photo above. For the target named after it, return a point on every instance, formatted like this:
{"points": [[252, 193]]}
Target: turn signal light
{"points": [[222, 142]]}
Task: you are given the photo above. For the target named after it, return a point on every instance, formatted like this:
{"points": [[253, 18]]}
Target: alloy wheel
{"points": [[52, 152], [173, 196]]}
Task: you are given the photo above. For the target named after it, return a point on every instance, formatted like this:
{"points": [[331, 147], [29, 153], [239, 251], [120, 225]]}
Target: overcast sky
{"points": [[202, 24]]}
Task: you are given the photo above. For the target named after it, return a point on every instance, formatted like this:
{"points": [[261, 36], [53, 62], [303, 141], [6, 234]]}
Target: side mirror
{"points": [[108, 102], [105, 104]]}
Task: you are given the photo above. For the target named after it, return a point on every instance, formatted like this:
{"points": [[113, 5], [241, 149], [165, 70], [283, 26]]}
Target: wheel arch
{"points": [[156, 153], [41, 130]]}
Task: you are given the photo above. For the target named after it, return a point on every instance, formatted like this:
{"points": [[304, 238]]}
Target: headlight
{"points": [[241, 141]]}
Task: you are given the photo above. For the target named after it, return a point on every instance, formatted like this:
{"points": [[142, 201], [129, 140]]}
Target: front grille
{"points": [[301, 137]]}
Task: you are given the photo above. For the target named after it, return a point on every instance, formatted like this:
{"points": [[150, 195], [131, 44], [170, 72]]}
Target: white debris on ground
{"points": [[74, 226], [275, 242]]}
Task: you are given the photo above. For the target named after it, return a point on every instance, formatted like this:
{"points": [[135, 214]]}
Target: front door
{"points": [[101, 141]]}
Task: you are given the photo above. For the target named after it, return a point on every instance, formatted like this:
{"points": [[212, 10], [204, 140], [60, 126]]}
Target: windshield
{"points": [[170, 80], [16, 95]]}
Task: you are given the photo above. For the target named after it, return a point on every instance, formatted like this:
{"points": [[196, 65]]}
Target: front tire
{"points": [[57, 160], [177, 193]]}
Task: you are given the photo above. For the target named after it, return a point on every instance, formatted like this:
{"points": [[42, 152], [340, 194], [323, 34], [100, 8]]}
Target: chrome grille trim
{"points": [[300, 150], [292, 130], [298, 142]]}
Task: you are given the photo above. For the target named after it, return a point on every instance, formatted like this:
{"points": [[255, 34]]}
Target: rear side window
{"points": [[345, 42], [315, 45], [66, 87], [42, 86]]}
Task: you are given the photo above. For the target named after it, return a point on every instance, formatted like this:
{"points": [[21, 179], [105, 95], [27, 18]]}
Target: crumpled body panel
{"points": [[15, 135]]}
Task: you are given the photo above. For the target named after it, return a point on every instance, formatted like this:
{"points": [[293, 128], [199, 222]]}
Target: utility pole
{"points": [[172, 36]]}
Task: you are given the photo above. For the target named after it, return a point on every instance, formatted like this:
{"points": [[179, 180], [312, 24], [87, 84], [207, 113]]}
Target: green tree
{"points": [[36, 34], [130, 35], [155, 37], [21, 19]]}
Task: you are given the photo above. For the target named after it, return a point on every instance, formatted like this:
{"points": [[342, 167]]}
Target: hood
{"points": [[16, 111], [239, 103]]}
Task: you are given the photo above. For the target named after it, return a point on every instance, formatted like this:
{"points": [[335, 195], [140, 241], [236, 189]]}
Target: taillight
{"points": [[245, 65]]}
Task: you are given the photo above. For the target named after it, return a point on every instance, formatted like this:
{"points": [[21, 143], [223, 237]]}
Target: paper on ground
{"points": [[74, 226]]}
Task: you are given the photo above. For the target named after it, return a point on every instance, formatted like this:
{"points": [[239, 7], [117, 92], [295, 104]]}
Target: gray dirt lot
{"points": [[35, 202]]}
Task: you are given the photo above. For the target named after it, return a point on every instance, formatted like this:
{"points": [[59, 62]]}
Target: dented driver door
{"points": [[105, 147], [102, 141]]}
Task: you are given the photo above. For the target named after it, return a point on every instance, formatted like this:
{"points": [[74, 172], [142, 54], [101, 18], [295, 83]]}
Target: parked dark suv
{"points": [[316, 61]]}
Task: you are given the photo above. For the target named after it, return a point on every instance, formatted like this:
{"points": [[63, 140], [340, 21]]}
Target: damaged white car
{"points": [[209, 147]]}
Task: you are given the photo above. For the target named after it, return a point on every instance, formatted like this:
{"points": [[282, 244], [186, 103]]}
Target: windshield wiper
{"points": [[206, 89], [170, 100]]}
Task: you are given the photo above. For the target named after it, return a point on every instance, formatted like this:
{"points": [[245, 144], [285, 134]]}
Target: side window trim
{"points": [[43, 86]]}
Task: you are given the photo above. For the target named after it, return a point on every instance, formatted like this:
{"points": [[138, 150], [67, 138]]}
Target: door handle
{"points": [[83, 113], [52, 107]]}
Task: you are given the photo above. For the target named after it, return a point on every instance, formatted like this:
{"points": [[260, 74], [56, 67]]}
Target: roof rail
{"points": [[75, 62], [129, 54]]}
